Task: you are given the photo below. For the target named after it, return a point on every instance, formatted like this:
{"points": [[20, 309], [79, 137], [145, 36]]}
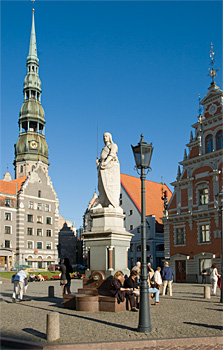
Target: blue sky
{"points": [[129, 67]]}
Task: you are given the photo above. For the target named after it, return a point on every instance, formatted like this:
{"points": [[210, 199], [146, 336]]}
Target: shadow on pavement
{"points": [[208, 308], [55, 299], [35, 332], [204, 325], [84, 318]]}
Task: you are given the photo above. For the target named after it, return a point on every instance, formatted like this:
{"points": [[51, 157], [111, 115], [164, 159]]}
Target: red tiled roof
{"points": [[10, 187], [154, 203]]}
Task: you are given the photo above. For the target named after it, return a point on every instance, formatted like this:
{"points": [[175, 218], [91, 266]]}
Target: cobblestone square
{"points": [[187, 314]]}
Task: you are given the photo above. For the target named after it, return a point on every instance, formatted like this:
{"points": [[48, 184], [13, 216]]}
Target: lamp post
{"points": [[219, 198], [143, 153]]}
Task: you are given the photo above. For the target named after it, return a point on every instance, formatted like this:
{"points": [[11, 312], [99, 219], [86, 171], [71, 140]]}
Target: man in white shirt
{"points": [[20, 283]]}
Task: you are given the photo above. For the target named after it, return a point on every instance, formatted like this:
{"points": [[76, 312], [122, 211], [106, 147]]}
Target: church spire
{"points": [[31, 146], [32, 45]]}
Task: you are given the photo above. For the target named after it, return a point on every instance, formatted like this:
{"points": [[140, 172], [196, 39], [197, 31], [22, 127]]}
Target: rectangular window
{"points": [[48, 233], [130, 212], [205, 264], [29, 231], [131, 247], [203, 196], [7, 202], [39, 194], [8, 216], [47, 207], [30, 245], [39, 232], [138, 230], [30, 205], [39, 245], [180, 236], [29, 218], [7, 244], [8, 230], [39, 219], [131, 227], [204, 233], [48, 246], [39, 206], [48, 220]]}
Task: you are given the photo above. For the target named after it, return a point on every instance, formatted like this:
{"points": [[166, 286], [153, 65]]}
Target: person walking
{"points": [[214, 278], [20, 282], [158, 278], [167, 275], [65, 282]]}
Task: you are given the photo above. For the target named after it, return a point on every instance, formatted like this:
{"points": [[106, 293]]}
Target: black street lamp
{"points": [[219, 198], [143, 153]]}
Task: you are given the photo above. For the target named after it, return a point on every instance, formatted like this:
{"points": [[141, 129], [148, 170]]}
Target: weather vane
{"points": [[212, 71]]}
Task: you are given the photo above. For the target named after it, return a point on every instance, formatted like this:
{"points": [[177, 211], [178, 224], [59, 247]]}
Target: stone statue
{"points": [[108, 174]]}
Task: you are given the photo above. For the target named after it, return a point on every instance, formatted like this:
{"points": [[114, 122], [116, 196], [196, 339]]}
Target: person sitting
{"points": [[40, 278], [32, 277], [118, 291], [152, 285], [131, 283], [137, 268]]}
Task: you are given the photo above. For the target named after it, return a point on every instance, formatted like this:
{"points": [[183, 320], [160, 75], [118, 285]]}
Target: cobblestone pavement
{"points": [[186, 314]]}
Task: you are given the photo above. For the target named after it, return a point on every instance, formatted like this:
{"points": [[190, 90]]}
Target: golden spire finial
{"points": [[33, 4]]}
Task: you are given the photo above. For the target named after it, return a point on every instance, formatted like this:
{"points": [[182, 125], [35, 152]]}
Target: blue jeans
{"points": [[156, 292]]}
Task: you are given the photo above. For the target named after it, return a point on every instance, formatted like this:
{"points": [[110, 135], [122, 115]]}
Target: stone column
{"points": [[110, 258], [88, 259], [52, 326]]}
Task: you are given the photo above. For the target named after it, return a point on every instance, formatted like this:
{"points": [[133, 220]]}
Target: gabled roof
{"points": [[13, 186], [154, 203]]}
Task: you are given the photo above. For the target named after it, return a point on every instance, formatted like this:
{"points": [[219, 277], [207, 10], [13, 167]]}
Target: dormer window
{"points": [[209, 144]]}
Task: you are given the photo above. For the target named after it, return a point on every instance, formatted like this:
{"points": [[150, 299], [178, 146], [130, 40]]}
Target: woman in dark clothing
{"points": [[131, 281], [65, 269], [118, 291]]}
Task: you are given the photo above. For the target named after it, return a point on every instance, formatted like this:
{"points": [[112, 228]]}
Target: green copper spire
{"points": [[31, 147], [32, 45]]}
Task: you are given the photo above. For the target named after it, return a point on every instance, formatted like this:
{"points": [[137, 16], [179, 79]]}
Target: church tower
{"points": [[31, 147]]}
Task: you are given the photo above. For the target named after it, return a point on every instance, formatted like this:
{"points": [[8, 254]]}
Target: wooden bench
{"points": [[55, 277]]}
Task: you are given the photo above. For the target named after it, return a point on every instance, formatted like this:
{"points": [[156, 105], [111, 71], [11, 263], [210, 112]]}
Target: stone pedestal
{"points": [[107, 242]]}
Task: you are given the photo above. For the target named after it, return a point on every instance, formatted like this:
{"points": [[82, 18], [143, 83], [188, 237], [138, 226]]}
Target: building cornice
{"points": [[201, 158]]}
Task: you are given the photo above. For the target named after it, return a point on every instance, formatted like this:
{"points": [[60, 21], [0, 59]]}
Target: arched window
{"points": [[219, 140], [21, 168], [209, 144]]}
